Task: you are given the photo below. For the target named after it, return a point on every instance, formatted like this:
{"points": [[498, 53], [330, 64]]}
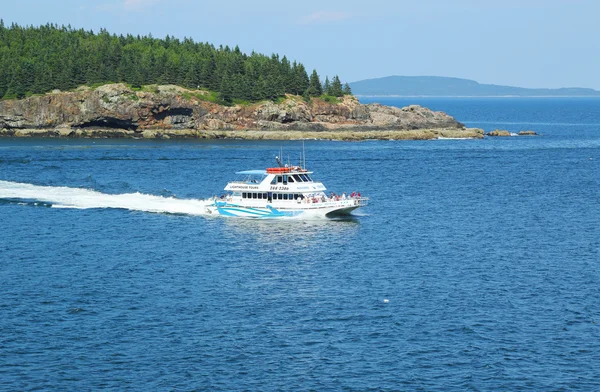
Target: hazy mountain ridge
{"points": [[444, 86]]}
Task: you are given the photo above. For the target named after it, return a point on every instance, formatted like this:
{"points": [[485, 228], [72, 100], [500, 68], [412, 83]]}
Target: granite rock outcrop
{"points": [[117, 110]]}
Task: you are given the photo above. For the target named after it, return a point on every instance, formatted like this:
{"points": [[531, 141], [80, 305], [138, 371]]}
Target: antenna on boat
{"points": [[303, 157], [277, 158]]}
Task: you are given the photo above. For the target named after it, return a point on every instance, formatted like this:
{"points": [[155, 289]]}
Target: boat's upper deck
{"points": [[276, 179]]}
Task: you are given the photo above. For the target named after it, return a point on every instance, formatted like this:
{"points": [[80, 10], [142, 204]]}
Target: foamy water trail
{"points": [[65, 197]]}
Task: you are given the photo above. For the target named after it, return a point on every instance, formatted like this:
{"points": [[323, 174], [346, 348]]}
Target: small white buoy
{"points": [[385, 300]]}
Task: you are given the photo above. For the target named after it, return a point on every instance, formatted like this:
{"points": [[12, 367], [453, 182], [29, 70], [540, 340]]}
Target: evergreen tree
{"points": [[3, 79], [301, 81], [226, 88], [347, 90], [336, 87], [259, 91], [326, 86], [314, 87], [286, 73], [15, 87]]}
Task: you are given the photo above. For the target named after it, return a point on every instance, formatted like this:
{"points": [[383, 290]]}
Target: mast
{"points": [[303, 157], [277, 158]]}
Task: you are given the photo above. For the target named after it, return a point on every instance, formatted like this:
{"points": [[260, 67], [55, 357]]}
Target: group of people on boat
{"points": [[332, 197], [343, 196]]}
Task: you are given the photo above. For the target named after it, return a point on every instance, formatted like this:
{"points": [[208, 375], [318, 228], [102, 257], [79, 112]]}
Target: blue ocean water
{"points": [[475, 267]]}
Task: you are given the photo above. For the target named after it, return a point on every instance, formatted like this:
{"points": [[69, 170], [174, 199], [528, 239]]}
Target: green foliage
{"points": [[347, 90], [330, 99], [326, 85], [314, 85], [36, 60], [211, 96], [336, 87]]}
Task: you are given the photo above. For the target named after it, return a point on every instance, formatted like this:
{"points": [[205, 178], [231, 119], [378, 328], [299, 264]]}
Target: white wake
{"points": [[65, 197]]}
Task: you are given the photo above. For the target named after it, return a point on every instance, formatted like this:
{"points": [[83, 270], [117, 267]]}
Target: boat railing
{"points": [[245, 182], [356, 200], [362, 201]]}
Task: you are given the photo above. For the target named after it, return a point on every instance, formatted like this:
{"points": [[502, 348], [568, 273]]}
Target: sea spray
{"points": [[65, 197]]}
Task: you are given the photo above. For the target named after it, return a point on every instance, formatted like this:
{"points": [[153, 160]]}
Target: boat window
{"points": [[260, 195], [297, 178], [265, 196], [308, 177], [285, 179], [279, 179], [290, 179], [244, 195], [285, 196], [274, 180], [305, 177], [291, 197]]}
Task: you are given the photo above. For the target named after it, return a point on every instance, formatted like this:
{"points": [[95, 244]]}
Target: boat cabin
{"points": [[274, 185]]}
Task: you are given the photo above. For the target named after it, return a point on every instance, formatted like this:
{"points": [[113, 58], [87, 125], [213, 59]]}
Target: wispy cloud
{"points": [[325, 17], [135, 5]]}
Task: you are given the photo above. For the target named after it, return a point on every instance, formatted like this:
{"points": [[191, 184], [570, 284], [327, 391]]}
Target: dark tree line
{"points": [[35, 60]]}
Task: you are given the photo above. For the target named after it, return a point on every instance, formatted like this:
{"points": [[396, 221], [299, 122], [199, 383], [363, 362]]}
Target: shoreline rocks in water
{"points": [[528, 133], [162, 112], [503, 133], [416, 134], [499, 132]]}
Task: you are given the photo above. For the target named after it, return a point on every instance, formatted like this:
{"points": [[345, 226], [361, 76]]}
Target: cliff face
{"points": [[116, 107]]}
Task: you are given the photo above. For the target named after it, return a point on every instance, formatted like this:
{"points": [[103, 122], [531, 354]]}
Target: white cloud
{"points": [[324, 17], [135, 5]]}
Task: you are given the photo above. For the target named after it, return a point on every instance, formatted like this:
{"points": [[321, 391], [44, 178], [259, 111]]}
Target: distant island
{"points": [[437, 86], [56, 81]]}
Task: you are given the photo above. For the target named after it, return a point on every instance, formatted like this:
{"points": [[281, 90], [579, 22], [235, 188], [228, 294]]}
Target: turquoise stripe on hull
{"points": [[226, 209]]}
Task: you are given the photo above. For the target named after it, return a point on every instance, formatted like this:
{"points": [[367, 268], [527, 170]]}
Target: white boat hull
{"points": [[269, 211]]}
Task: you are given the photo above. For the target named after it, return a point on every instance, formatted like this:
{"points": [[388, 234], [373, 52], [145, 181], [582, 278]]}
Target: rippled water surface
{"points": [[476, 266]]}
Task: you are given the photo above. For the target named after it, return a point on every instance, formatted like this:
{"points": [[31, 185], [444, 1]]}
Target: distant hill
{"points": [[437, 86]]}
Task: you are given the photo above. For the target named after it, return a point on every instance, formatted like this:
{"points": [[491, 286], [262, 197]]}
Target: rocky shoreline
{"points": [[165, 112], [417, 134]]}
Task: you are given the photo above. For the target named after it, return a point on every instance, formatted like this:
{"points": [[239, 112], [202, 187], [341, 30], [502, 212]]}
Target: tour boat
{"points": [[282, 192]]}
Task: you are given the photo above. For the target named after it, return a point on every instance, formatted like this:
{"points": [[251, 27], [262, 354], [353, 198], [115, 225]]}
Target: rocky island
{"points": [[169, 111]]}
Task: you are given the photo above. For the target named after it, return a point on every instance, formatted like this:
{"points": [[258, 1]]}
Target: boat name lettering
{"points": [[243, 187], [279, 188]]}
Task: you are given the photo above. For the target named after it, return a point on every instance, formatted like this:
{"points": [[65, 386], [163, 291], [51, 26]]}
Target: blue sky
{"points": [[527, 43]]}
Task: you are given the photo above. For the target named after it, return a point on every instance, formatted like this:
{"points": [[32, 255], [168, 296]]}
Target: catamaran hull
{"points": [[269, 212]]}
